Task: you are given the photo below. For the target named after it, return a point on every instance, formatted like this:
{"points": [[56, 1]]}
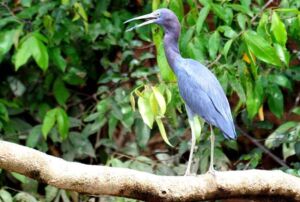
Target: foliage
{"points": [[72, 79]]}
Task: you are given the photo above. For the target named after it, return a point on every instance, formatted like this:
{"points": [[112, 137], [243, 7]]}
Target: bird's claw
{"points": [[190, 174], [212, 171]]}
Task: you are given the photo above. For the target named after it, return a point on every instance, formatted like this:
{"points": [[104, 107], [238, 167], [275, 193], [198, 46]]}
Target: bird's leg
{"points": [[212, 145], [188, 169]]}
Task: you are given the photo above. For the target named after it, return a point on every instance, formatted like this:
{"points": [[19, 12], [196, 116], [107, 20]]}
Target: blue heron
{"points": [[201, 91]]}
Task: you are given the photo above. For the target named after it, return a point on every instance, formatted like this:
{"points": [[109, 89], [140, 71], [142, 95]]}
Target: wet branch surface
{"points": [[102, 180]]}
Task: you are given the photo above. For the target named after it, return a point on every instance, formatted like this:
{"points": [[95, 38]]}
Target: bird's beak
{"points": [[151, 18]]}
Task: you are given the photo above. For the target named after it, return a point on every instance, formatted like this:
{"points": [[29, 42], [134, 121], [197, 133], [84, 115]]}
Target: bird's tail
{"points": [[229, 131]]}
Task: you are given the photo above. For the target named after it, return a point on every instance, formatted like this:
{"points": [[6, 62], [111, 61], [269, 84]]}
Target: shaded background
{"points": [[75, 85]]}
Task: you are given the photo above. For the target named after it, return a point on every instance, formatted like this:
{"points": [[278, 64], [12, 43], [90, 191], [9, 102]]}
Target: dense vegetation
{"points": [[76, 86]]}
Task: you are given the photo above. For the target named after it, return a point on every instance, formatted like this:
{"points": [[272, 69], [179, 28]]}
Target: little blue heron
{"points": [[201, 91]]}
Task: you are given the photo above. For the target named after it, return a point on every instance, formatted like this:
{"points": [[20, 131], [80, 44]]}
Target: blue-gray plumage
{"points": [[201, 91]]}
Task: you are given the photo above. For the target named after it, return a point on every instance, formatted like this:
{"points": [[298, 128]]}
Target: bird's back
{"points": [[204, 95]]}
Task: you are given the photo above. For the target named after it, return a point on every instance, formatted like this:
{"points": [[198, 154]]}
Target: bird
{"points": [[201, 91]]}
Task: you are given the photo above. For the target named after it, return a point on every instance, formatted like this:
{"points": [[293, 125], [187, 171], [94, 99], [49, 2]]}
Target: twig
{"points": [[215, 61], [11, 12], [262, 9], [263, 148]]}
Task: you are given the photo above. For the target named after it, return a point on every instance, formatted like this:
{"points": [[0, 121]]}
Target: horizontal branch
{"points": [[102, 180]]}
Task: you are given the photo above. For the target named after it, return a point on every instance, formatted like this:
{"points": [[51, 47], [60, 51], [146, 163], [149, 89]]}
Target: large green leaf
{"points": [[261, 48], [278, 29], [32, 46]]}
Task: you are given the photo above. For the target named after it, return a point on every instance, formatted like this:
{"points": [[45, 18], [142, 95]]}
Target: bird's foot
{"points": [[211, 171], [188, 173]]}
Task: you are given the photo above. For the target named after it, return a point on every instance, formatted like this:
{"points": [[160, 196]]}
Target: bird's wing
{"points": [[203, 93]]}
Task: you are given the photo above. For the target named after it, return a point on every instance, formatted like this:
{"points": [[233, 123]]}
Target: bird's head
{"points": [[164, 17]]}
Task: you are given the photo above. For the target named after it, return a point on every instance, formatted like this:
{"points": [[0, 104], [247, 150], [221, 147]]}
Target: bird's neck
{"points": [[171, 48]]}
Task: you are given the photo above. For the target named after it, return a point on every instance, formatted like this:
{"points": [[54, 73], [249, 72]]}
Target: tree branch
{"points": [[102, 180]]}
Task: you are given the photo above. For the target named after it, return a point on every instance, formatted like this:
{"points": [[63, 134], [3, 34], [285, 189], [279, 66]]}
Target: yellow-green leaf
{"points": [[146, 111], [163, 131], [160, 100]]}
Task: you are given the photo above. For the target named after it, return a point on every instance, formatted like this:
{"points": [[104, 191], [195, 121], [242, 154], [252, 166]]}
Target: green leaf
{"points": [[214, 44], [177, 7], [262, 28], [283, 54], [57, 59], [261, 48], [51, 193], [3, 113], [225, 14], [34, 136], [62, 122], [5, 196], [24, 197], [296, 110], [142, 133], [227, 47], [24, 52], [154, 105], [185, 39], [21, 178], [160, 100], [163, 131], [166, 72], [241, 19], [146, 111], [7, 39], [61, 93], [48, 122], [112, 124], [32, 46], [280, 80], [238, 88], [228, 31], [40, 53], [278, 29], [275, 100], [26, 3], [254, 99], [201, 18]]}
